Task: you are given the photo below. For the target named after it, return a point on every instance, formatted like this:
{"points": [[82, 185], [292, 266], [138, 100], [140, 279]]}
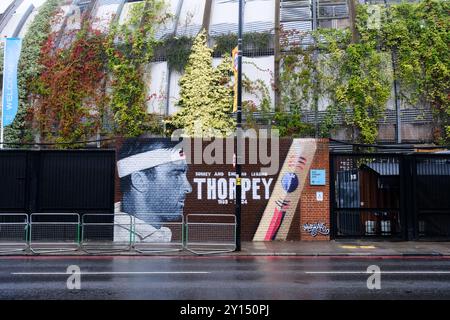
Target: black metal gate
{"points": [[14, 182], [57, 181], [396, 196], [431, 196]]}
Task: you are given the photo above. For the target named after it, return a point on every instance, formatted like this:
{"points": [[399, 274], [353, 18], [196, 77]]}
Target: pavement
{"points": [[298, 248], [345, 248]]}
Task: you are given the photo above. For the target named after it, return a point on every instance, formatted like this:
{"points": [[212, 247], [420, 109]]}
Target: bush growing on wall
{"points": [[206, 97]]}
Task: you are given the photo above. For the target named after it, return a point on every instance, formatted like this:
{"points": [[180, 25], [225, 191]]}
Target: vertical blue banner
{"points": [[10, 97]]}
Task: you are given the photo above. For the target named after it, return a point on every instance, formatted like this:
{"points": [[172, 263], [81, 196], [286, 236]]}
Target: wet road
{"points": [[250, 278]]}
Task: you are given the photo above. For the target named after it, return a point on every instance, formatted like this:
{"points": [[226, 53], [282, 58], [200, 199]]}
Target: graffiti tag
{"points": [[315, 228]]}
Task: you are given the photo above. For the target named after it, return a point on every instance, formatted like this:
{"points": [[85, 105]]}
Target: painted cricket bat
{"points": [[280, 210]]}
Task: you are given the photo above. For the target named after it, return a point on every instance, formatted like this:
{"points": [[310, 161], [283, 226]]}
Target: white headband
{"points": [[148, 160]]}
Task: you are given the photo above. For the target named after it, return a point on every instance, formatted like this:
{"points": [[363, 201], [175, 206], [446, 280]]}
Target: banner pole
{"points": [[1, 133]]}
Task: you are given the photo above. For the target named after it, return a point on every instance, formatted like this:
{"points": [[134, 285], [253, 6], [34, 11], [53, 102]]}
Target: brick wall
{"points": [[311, 210], [258, 208]]}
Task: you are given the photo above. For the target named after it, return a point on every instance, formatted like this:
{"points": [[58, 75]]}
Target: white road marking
{"points": [[108, 273], [381, 272]]}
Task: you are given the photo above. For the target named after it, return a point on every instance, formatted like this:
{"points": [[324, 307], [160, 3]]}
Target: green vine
{"points": [[253, 41], [365, 87], [305, 76], [176, 50], [29, 68], [129, 47], [68, 100], [419, 35], [259, 90], [291, 125], [355, 78]]}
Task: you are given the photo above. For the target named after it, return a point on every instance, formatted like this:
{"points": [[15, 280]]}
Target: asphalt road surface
{"points": [[200, 278]]}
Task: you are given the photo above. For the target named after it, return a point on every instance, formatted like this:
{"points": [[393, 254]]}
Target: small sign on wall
{"points": [[319, 196], [317, 177]]}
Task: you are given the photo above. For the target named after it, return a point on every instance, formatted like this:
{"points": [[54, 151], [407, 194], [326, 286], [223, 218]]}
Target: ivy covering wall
{"points": [[68, 99], [253, 41], [30, 68], [354, 79], [419, 35], [129, 47], [96, 84], [175, 50]]}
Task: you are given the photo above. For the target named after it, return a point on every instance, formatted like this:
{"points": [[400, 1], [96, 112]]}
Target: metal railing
{"points": [[106, 233], [13, 232], [158, 233], [210, 233], [44, 233], [54, 232]]}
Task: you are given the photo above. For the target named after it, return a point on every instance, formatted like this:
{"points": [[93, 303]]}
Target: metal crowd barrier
{"points": [[54, 232], [210, 233], [13, 232], [106, 233], [158, 233]]}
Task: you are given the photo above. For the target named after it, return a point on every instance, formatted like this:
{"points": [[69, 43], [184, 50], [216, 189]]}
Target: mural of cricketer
{"points": [[154, 185], [284, 200]]}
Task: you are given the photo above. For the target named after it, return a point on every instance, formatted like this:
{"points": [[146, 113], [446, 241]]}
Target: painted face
{"points": [[167, 189]]}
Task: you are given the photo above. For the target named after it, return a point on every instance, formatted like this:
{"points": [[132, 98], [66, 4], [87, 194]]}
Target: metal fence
{"points": [[54, 232], [106, 233], [158, 233], [210, 233], [13, 232], [44, 233]]}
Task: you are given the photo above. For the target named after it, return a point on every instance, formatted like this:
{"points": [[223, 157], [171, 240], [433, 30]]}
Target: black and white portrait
{"points": [[154, 186]]}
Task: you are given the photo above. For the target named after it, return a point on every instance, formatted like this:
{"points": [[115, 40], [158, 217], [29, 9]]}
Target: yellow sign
{"points": [[235, 71]]}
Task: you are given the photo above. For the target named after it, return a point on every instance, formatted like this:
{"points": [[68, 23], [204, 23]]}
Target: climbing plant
{"points": [[354, 78], [68, 96], [254, 41], [261, 101], [129, 47], [304, 76], [176, 50], [364, 87], [29, 68], [419, 35], [296, 74], [206, 96]]}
